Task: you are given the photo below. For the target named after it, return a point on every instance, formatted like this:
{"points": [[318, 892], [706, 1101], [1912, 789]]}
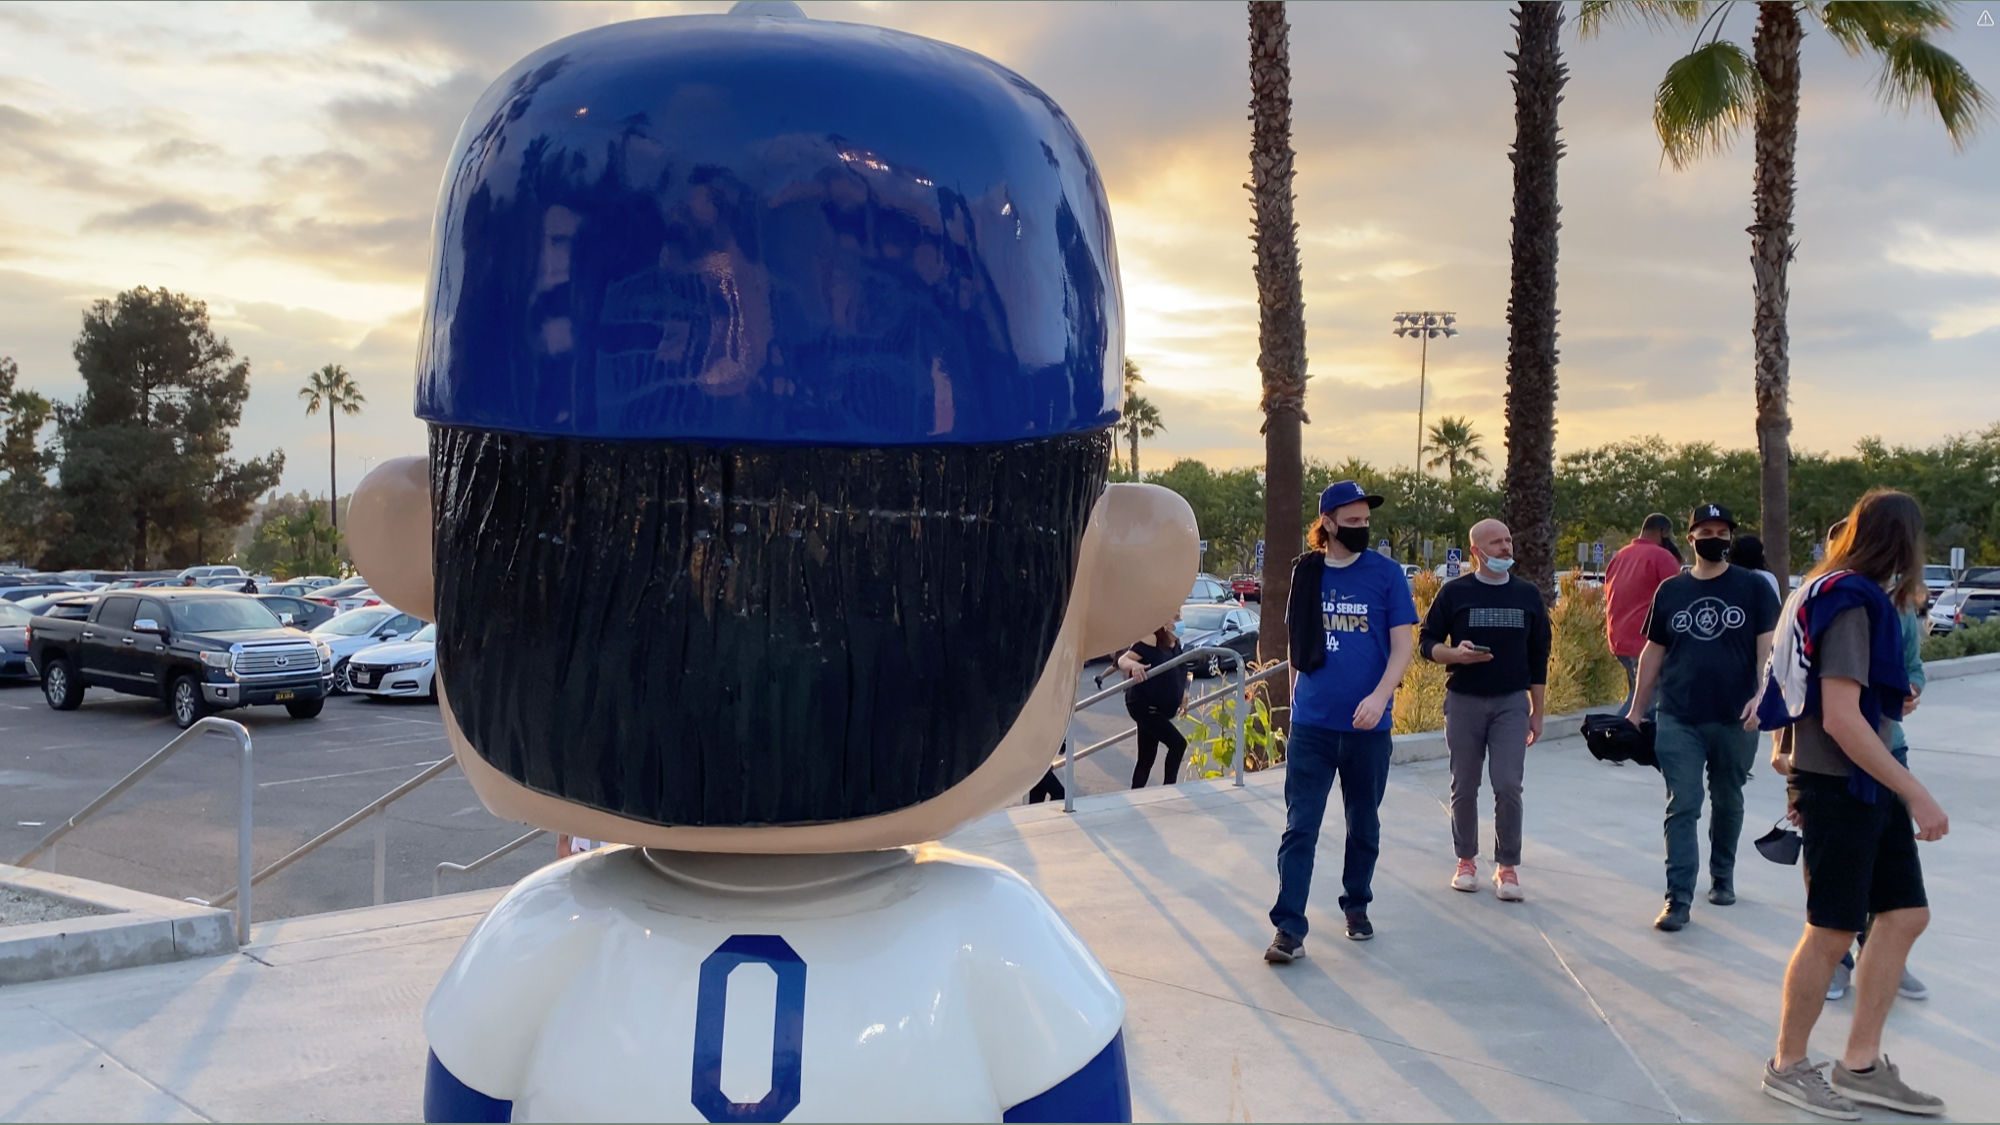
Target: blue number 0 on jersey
{"points": [[788, 1029]]}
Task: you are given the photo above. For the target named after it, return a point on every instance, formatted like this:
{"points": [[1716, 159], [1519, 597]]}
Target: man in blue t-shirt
{"points": [[1349, 622]]}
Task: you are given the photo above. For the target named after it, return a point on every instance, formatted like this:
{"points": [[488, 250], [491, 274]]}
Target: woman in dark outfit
{"points": [[1155, 701]]}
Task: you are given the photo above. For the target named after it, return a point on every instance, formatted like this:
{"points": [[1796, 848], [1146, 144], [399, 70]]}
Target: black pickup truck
{"points": [[197, 650]]}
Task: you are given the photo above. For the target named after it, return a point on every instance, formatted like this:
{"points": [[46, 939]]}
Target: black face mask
{"points": [[1712, 550], [1353, 538]]}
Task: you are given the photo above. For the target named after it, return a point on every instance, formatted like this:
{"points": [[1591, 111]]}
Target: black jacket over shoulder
{"points": [[1305, 626]]}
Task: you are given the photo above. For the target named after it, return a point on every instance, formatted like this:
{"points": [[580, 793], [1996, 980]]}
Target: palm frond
{"points": [[1597, 14], [1705, 98], [1863, 25], [1916, 70]]}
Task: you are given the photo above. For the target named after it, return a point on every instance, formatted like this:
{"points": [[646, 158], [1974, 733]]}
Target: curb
{"points": [[1963, 666], [132, 929]]}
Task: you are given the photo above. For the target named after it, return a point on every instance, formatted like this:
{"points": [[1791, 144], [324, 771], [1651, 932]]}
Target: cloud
{"points": [[160, 215], [174, 150]]}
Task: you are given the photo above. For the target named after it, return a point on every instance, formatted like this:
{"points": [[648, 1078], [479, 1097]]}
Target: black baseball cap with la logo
{"points": [[1710, 513]]}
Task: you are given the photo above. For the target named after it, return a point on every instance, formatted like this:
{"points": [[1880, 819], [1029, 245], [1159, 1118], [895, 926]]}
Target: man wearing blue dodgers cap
{"points": [[769, 365], [1349, 622]]}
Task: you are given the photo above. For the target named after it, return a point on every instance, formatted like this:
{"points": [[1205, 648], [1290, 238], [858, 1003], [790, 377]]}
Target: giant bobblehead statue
{"points": [[769, 365]]}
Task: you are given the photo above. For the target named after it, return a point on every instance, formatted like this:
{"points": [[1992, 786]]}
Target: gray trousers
{"points": [[1490, 733]]}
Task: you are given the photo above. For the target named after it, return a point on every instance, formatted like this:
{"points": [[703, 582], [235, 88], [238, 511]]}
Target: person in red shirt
{"points": [[1634, 575]]}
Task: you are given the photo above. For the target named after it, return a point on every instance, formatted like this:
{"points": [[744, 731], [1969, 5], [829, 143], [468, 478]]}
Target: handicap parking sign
{"points": [[1452, 558]]}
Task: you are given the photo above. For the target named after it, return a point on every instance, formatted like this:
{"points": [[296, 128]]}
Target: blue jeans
{"points": [[1313, 756], [1725, 752]]}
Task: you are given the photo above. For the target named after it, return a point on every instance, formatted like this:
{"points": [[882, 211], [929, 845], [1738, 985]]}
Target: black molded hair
{"points": [[1658, 521], [752, 635]]}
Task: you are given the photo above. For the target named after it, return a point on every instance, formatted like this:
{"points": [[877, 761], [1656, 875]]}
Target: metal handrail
{"points": [[1244, 679], [244, 879], [245, 772], [506, 849]]}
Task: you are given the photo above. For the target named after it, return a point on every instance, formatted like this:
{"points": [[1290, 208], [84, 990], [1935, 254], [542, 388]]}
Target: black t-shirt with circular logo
{"points": [[1709, 628]]}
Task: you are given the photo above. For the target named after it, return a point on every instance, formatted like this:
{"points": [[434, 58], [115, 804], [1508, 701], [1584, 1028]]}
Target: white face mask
{"points": [[1499, 566]]}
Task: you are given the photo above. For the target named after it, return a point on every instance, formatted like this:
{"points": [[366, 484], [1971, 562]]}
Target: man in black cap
{"points": [[1707, 640]]}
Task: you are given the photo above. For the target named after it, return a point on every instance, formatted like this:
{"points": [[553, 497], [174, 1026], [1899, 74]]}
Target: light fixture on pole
{"points": [[1424, 327]]}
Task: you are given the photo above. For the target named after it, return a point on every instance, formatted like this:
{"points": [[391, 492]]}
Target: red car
{"points": [[1245, 586]]}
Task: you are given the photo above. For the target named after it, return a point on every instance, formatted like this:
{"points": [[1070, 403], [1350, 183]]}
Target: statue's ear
{"points": [[1140, 557], [389, 528]]}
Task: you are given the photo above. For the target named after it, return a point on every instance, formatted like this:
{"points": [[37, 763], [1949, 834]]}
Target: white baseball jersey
{"points": [[913, 984]]}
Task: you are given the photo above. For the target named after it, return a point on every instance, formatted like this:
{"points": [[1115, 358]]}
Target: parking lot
{"points": [[174, 833]]}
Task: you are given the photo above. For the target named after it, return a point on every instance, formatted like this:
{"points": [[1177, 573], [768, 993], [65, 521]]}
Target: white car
{"points": [[359, 629], [402, 668]]}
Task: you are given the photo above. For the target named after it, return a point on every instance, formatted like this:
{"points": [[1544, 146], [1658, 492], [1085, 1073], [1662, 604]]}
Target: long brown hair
{"points": [[1316, 536], [1164, 636], [1882, 538]]}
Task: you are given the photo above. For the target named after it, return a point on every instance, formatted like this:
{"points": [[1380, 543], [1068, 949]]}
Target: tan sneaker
{"points": [[1883, 1085], [1467, 877], [1507, 885], [1802, 1084]]}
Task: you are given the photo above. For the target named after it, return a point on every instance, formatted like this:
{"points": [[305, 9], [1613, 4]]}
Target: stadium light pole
{"points": [[1424, 327]]}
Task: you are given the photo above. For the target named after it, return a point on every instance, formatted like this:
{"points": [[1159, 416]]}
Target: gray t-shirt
{"points": [[1843, 654]]}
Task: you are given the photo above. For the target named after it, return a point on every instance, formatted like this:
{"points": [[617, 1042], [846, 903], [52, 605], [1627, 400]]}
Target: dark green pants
{"points": [[1724, 752]]}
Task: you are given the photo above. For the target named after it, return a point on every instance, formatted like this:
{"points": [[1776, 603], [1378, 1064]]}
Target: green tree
{"points": [[1711, 92], [25, 499], [1457, 445], [333, 389], [1539, 76], [145, 471], [1281, 318]]}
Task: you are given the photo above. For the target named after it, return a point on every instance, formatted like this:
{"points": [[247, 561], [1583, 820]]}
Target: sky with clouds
{"points": [[281, 162]]}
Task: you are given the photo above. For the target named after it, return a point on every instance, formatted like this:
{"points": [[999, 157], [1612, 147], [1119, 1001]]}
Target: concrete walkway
{"points": [[1566, 1007]]}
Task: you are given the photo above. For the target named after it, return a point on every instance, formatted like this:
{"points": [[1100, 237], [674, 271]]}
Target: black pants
{"points": [[1156, 726], [1049, 788]]}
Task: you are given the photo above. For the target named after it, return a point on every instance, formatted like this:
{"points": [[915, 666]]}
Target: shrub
{"points": [[1969, 641]]}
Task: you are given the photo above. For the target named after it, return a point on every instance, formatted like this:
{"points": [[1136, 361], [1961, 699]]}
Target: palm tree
{"points": [[334, 389], [1142, 418], [1457, 445], [1539, 75], [1702, 104], [1281, 319]]}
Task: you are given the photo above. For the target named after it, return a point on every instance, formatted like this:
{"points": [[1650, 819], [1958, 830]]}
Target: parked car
{"points": [[1246, 587], [351, 594], [14, 662], [316, 581], [208, 572], [1204, 625], [1941, 615], [1209, 590], [1977, 607], [403, 668], [198, 650], [23, 593], [357, 629], [298, 613], [137, 583], [73, 603]]}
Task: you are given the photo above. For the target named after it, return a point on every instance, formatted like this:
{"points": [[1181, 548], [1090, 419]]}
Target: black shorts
{"points": [[1860, 859]]}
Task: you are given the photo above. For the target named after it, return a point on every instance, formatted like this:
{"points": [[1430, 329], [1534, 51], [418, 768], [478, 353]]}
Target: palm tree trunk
{"points": [[1775, 50], [1133, 426], [332, 479], [1281, 325], [1539, 76]]}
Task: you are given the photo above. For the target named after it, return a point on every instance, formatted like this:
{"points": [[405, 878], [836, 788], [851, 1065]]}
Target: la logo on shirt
{"points": [[1342, 613]]}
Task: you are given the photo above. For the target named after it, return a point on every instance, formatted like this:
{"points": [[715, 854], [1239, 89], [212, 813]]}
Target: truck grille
{"points": [[277, 660]]}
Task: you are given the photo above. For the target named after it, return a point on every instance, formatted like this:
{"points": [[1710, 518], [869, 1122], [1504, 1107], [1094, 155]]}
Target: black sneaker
{"points": [[1673, 918], [1358, 928], [1285, 949], [1722, 894]]}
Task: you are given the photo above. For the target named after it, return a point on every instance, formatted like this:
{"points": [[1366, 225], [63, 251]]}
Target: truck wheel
{"points": [[60, 686], [305, 708], [184, 699]]}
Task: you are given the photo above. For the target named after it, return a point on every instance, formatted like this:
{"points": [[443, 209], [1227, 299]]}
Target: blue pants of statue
{"points": [[1725, 752], [1313, 757]]}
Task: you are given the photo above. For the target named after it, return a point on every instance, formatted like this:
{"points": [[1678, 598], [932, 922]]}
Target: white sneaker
{"points": [[1507, 885], [1467, 877]]}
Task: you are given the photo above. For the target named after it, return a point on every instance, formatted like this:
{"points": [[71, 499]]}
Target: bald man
{"points": [[1491, 631]]}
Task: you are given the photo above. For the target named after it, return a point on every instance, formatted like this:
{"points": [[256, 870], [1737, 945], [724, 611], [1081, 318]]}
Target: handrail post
{"points": [[1069, 776], [1242, 718], [247, 788], [381, 856]]}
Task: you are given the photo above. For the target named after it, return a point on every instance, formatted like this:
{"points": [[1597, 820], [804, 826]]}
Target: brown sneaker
{"points": [[1883, 1085]]}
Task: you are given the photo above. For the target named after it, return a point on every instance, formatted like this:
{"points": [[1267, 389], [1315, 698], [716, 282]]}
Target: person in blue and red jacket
{"points": [[1837, 685]]}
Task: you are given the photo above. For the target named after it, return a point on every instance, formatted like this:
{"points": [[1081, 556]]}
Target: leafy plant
{"points": [[1212, 747], [1973, 640]]}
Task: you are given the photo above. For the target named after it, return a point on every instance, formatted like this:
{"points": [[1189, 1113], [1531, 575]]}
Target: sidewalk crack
{"points": [[120, 1063]]}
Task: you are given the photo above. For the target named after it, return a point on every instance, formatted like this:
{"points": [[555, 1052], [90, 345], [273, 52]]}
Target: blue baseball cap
{"points": [[753, 229], [1342, 493]]}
